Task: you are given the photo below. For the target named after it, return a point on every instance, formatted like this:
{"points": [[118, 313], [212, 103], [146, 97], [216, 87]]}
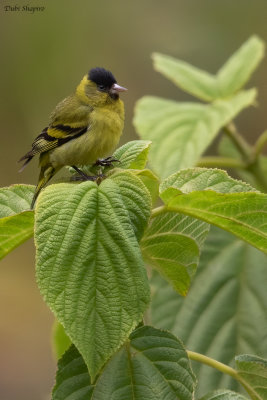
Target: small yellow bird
{"points": [[83, 128]]}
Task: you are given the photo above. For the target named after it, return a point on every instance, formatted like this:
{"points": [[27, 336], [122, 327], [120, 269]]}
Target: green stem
{"points": [[248, 154], [224, 369], [220, 162], [259, 145], [158, 210], [241, 144]]}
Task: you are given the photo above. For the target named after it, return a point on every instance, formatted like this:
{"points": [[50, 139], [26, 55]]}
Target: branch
{"points": [[259, 145], [220, 162], [224, 369]]}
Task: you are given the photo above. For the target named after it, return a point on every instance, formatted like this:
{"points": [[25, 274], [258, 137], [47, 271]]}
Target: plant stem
{"points": [[259, 145], [220, 162], [249, 154], [225, 369], [241, 144], [158, 210]]}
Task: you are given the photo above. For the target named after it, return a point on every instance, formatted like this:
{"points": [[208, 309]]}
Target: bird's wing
{"points": [[54, 136]]}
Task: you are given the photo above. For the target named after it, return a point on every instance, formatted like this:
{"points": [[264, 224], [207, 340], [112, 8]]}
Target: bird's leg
{"points": [[106, 162], [83, 176]]}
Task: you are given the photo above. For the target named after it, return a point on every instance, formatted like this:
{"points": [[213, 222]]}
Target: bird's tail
{"points": [[46, 173], [28, 158]]}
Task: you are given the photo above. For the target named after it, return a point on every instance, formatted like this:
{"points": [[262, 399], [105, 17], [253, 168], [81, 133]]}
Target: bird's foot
{"points": [[106, 162], [82, 176]]}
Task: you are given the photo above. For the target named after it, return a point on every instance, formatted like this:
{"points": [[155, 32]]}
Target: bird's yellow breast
{"points": [[100, 140]]}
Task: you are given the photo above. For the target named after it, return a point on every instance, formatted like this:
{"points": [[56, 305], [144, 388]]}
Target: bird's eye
{"points": [[101, 87]]}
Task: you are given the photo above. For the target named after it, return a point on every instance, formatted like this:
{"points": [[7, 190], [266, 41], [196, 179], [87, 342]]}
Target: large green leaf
{"points": [[214, 197], [253, 370], [229, 79], [16, 224], [181, 132], [172, 245], [153, 365], [223, 394], [224, 313], [89, 265]]}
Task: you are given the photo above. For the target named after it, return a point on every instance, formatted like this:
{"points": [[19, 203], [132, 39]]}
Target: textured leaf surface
{"points": [[89, 265], [16, 225], [181, 132], [198, 179], [15, 199], [153, 365], [72, 379], [150, 180], [133, 155], [253, 370], [219, 200], [229, 79], [224, 313], [223, 394], [172, 245]]}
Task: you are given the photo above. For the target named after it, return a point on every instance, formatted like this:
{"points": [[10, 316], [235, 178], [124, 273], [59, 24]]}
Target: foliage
{"points": [[93, 240]]}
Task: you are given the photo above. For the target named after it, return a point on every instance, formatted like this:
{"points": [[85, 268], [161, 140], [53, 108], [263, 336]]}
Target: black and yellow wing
{"points": [[52, 137]]}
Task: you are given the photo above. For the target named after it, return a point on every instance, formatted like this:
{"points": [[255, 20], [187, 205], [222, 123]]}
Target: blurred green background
{"points": [[43, 57]]}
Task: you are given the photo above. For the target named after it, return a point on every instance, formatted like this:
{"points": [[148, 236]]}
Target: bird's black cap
{"points": [[101, 76]]}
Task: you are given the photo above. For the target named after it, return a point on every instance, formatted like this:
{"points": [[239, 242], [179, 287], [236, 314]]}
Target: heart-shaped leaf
{"points": [[89, 265]]}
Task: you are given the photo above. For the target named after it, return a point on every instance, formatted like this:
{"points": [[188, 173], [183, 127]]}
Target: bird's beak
{"points": [[115, 88]]}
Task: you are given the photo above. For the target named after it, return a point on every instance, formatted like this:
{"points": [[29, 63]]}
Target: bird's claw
{"points": [[106, 162], [95, 178]]}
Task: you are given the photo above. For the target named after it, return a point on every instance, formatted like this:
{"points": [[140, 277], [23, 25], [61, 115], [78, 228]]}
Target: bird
{"points": [[83, 128]]}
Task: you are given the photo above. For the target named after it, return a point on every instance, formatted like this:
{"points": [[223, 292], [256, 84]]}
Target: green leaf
{"points": [[133, 155], [152, 365], [172, 245], [136, 198], [212, 196], [72, 379], [181, 132], [150, 181], [199, 179], [15, 199], [224, 312], [89, 265], [253, 370], [16, 224], [229, 79], [193, 80], [223, 394], [238, 69], [60, 340], [14, 231]]}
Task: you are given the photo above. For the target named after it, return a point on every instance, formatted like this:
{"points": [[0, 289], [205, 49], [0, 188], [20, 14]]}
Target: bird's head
{"points": [[99, 87]]}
